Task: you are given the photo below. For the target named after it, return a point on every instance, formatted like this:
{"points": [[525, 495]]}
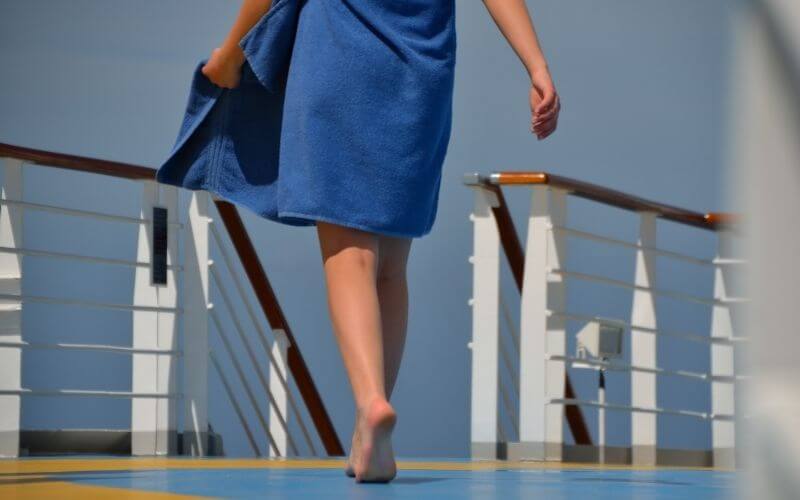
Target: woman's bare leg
{"points": [[350, 259], [392, 288], [393, 298]]}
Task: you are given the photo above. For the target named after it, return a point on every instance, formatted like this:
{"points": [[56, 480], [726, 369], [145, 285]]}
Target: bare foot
{"points": [[348, 470], [374, 457]]}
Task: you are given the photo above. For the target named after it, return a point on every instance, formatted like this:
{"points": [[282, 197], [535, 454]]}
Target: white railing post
{"points": [[153, 421], [643, 346], [277, 371], [10, 310], [485, 303], [541, 333], [722, 360], [195, 326]]}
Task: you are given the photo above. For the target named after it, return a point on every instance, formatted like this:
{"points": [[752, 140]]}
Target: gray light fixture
{"points": [[601, 338]]}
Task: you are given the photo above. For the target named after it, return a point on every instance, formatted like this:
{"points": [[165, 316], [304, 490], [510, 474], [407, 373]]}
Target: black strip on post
{"points": [[158, 263]]}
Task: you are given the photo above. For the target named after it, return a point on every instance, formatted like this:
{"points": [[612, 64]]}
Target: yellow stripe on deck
{"points": [[50, 466], [41, 487]]}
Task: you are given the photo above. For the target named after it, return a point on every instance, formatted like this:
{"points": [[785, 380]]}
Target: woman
{"points": [[368, 96]]}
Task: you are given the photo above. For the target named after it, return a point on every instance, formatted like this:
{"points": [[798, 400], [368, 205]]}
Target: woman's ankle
{"points": [[377, 403]]}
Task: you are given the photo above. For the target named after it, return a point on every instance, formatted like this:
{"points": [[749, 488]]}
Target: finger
{"points": [[556, 107], [547, 134], [551, 123], [543, 127], [548, 113], [548, 130], [546, 116], [543, 124], [545, 120]]}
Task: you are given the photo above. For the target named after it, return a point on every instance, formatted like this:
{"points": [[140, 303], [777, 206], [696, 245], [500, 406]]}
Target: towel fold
{"points": [[229, 140]]}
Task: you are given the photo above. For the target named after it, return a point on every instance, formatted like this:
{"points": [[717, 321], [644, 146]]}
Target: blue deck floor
{"points": [[325, 479]]}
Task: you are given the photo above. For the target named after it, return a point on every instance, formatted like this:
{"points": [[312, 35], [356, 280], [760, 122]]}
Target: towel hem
{"points": [[355, 225]]}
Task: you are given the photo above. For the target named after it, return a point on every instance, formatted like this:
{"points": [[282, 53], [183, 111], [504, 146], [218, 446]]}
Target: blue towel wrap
{"points": [[343, 114]]}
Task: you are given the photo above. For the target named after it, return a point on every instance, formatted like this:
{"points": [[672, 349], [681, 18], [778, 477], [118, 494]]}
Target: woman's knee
{"points": [[356, 247], [393, 259]]}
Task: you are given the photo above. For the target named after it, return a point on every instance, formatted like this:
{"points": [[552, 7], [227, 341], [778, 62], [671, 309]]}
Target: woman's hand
{"points": [[224, 67], [545, 104]]}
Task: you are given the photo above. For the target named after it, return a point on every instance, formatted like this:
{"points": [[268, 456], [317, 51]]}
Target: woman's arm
{"points": [[224, 65], [514, 21]]}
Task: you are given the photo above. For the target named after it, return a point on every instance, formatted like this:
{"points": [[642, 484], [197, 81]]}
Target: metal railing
{"points": [[536, 367], [173, 321]]}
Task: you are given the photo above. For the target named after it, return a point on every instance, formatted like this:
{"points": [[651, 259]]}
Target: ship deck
{"points": [[104, 477]]}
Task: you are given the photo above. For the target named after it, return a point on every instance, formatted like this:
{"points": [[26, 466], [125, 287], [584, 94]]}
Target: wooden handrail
{"points": [[515, 254], [80, 163], [609, 197], [249, 258], [721, 219]]}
